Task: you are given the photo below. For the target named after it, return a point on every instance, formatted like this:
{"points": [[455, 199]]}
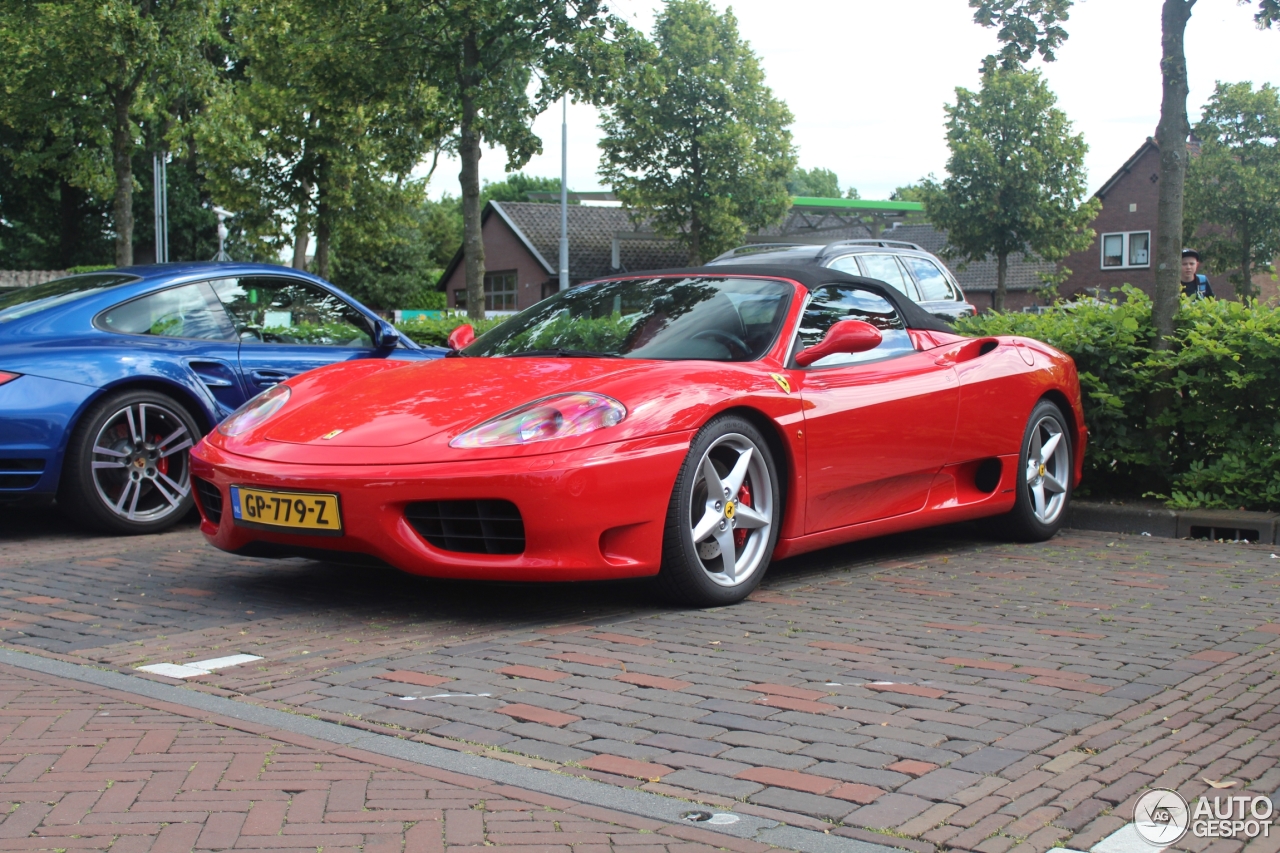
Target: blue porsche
{"points": [[107, 379]]}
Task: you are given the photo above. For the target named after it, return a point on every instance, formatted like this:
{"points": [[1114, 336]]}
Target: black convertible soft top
{"points": [[812, 278]]}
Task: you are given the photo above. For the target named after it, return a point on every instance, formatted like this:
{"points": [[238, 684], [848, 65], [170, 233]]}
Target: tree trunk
{"points": [[300, 234], [469, 152], [1246, 271], [68, 223], [1171, 136], [1002, 272], [323, 234], [122, 165]]}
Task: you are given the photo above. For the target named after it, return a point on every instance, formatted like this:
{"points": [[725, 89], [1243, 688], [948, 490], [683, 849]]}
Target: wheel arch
{"points": [[777, 446], [198, 410], [1063, 402]]}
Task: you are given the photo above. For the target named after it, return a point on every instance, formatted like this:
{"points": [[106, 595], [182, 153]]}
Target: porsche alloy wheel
{"points": [[722, 522], [128, 465], [1045, 473]]}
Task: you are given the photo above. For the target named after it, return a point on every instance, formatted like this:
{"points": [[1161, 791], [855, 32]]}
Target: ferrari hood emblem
{"points": [[782, 382], [332, 434]]}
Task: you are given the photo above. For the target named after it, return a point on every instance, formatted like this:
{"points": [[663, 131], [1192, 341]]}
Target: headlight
{"points": [[257, 410], [541, 420]]}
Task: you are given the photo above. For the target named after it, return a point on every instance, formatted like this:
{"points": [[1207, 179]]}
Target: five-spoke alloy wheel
{"points": [[723, 518], [128, 464], [1045, 475]]}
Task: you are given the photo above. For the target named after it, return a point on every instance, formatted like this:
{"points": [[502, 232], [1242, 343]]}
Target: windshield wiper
{"points": [[563, 353]]}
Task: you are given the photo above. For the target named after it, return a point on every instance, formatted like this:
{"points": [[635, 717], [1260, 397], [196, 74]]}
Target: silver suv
{"points": [[921, 276]]}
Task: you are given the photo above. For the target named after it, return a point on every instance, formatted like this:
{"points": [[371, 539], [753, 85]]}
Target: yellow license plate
{"points": [[307, 512]]}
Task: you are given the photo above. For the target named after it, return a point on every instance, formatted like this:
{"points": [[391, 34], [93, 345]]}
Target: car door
{"points": [[878, 424], [288, 325], [182, 325], [937, 294], [882, 267]]}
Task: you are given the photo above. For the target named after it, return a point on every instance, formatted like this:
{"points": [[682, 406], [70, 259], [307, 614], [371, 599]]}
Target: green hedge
{"points": [[435, 332], [1217, 443]]}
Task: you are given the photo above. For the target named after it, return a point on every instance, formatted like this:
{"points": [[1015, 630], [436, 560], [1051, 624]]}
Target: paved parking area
{"points": [[929, 691]]}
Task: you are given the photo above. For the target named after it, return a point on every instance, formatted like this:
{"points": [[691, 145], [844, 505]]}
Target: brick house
{"points": [[1123, 248], [522, 252]]}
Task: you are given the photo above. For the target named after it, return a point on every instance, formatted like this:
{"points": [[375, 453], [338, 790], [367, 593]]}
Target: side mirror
{"points": [[461, 337], [844, 337], [385, 335]]}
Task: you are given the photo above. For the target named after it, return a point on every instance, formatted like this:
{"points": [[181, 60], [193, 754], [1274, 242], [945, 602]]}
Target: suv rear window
{"points": [[933, 284]]}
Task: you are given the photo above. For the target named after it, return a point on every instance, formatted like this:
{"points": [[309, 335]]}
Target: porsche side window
{"points": [[270, 310], [190, 311], [933, 284], [836, 302], [886, 269]]}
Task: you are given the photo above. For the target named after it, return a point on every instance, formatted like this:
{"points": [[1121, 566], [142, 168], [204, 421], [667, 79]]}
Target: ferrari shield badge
{"points": [[332, 434], [782, 382]]}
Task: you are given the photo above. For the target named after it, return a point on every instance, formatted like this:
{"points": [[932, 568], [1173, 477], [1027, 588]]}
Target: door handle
{"points": [[267, 378]]}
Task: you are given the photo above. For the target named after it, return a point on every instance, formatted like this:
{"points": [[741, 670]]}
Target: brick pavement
{"points": [[92, 769], [928, 691]]}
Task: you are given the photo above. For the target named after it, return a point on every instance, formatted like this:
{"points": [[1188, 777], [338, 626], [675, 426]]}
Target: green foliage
{"points": [[910, 192], [1223, 438], [316, 334], [1234, 185], [89, 268], [814, 183], [435, 332], [517, 186], [88, 81], [1024, 27], [696, 141], [1016, 176]]}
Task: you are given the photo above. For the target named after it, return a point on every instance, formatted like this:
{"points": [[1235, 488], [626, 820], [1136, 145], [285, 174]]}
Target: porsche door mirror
{"points": [[844, 337], [385, 335], [461, 337]]}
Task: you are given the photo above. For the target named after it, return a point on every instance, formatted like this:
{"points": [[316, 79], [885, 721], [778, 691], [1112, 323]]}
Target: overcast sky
{"points": [[867, 80]]}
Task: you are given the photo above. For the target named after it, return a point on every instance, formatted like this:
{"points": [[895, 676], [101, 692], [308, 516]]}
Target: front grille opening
{"points": [[469, 527], [987, 477], [1230, 534], [20, 473], [210, 500]]}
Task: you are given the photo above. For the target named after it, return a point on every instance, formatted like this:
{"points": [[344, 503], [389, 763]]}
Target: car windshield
{"points": [[719, 319], [28, 300]]}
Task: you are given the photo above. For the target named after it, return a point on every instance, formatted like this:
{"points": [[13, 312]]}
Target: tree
{"points": [[83, 78], [517, 186], [706, 151], [813, 183], [313, 121], [1235, 182], [1030, 25], [1015, 176], [482, 56]]}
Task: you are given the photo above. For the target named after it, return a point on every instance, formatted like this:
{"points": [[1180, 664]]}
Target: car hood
{"points": [[407, 404]]}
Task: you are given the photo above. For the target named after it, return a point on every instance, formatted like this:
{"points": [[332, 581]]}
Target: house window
{"points": [[500, 291], [1126, 250], [460, 299]]}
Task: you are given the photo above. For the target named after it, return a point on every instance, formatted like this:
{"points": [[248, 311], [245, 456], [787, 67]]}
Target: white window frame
{"points": [[1124, 250]]}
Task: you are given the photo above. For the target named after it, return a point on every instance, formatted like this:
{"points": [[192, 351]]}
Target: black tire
{"points": [[144, 459], [688, 575], [1027, 522]]}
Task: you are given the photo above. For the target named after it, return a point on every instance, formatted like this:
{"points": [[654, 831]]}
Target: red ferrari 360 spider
{"points": [[691, 424]]}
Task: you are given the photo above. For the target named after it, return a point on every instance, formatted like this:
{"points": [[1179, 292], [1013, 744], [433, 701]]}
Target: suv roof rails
{"points": [[883, 244], [754, 248]]}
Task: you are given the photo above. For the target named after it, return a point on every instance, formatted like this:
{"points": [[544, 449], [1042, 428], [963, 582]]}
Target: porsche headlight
{"points": [[256, 411], [541, 420]]}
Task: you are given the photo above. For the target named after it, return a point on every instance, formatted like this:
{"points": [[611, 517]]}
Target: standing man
{"points": [[1193, 284]]}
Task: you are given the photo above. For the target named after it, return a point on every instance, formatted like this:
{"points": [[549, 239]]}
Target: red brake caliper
{"points": [[162, 464], [744, 498]]}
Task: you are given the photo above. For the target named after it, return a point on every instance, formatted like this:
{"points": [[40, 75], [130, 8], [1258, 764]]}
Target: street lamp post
{"points": [[160, 194], [564, 197]]}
